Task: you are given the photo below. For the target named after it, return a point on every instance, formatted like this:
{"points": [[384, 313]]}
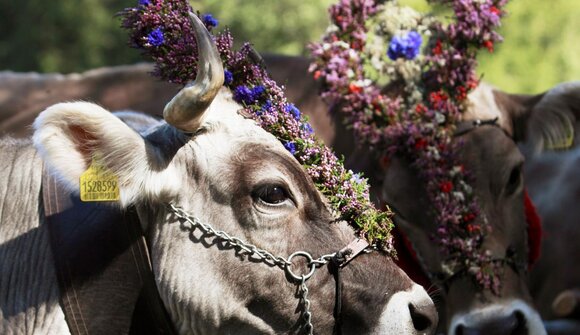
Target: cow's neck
{"points": [[28, 292]]}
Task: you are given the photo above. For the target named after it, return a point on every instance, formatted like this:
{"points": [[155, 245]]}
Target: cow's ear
{"points": [[547, 121], [72, 136]]}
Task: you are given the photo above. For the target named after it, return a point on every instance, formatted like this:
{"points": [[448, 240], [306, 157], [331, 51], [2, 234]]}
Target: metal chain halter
{"points": [[191, 223]]}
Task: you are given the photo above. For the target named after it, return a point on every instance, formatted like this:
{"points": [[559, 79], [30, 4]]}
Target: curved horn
{"points": [[185, 111]]}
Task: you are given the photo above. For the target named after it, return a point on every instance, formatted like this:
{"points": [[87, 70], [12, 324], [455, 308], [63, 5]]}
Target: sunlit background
{"points": [[541, 48]]}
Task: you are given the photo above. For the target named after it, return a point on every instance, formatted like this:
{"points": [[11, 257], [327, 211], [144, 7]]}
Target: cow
{"points": [[491, 152], [553, 183], [209, 161]]}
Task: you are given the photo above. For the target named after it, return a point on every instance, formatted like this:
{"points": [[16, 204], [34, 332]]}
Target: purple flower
{"points": [[144, 2], [290, 146], [228, 77], [156, 38], [210, 21], [406, 46], [290, 108]]}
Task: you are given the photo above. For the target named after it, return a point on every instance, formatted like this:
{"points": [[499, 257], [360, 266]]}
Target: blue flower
{"points": [[243, 94], [406, 46], [257, 91], [156, 37], [290, 146], [144, 2], [210, 21], [267, 105], [308, 128], [290, 108], [228, 77]]}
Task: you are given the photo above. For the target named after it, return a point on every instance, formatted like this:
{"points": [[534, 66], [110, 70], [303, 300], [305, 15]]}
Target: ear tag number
{"points": [[97, 183]]}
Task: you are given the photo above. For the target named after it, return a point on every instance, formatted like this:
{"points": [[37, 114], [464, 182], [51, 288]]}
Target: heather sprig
{"points": [[370, 45], [176, 61]]}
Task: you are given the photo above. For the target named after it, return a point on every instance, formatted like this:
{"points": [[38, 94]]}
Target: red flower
{"points": [[468, 218], [353, 88], [446, 186], [461, 93], [420, 108], [495, 10], [438, 49], [437, 97], [317, 74], [420, 144], [473, 227], [489, 45]]}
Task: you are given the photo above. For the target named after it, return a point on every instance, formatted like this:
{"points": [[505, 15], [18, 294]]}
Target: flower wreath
{"points": [[161, 29], [375, 44]]}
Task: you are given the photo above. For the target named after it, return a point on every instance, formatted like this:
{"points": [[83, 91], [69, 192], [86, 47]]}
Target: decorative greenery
{"points": [[370, 41], [175, 58]]}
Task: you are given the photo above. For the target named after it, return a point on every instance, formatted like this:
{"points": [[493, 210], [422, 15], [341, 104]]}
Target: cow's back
{"points": [[28, 288]]}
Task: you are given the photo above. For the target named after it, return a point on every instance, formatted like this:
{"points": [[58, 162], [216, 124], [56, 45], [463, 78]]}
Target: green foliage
{"points": [[541, 47], [62, 35], [539, 51], [281, 26]]}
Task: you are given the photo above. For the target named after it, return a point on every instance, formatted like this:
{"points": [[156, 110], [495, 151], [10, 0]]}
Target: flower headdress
{"points": [[402, 81], [162, 30]]}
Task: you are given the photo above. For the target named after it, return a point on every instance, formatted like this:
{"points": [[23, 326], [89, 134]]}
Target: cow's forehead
{"points": [[225, 131], [484, 107]]}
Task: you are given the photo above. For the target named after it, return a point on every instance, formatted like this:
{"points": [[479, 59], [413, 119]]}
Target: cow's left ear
{"points": [[547, 121], [73, 137]]}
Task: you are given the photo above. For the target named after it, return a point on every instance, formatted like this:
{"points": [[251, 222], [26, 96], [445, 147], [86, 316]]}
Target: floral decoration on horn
{"points": [[161, 29]]}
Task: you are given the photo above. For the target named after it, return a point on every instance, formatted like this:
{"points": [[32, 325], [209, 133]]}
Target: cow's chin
{"points": [[509, 313]]}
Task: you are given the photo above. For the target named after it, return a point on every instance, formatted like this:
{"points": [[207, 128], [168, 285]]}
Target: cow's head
{"points": [[491, 153], [230, 173]]}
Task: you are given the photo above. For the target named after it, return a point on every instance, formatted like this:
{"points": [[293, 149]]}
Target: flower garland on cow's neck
{"points": [[162, 30], [372, 45]]}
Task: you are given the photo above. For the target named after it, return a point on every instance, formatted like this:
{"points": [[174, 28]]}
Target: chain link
{"points": [[263, 255], [303, 290]]}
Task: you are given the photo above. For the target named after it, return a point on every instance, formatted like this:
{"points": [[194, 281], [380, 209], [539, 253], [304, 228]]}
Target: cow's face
{"points": [[490, 153], [231, 174]]}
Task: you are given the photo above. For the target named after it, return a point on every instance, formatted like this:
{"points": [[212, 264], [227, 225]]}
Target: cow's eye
{"points": [[514, 180], [272, 194]]}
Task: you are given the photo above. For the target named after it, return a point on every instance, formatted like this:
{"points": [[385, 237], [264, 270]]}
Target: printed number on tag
{"points": [[98, 184]]}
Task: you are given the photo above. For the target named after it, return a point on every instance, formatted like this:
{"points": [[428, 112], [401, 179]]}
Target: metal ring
{"points": [[310, 263]]}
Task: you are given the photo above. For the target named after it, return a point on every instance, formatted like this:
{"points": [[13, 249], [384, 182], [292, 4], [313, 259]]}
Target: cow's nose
{"points": [[424, 317], [511, 324]]}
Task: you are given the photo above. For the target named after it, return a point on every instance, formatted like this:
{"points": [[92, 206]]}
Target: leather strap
{"points": [[103, 266]]}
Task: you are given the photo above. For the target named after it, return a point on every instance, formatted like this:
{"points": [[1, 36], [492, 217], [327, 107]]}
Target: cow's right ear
{"points": [[69, 136], [547, 121]]}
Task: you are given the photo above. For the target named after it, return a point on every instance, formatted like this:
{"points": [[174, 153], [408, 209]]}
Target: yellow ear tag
{"points": [[97, 183]]}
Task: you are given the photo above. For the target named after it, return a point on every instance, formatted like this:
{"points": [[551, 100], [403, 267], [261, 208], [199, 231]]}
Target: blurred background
{"points": [[541, 47]]}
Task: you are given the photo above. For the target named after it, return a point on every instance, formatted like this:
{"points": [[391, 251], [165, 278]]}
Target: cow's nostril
{"points": [[521, 326], [422, 320]]}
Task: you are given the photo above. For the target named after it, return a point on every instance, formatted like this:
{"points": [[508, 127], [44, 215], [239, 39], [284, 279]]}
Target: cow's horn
{"points": [[185, 110]]}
